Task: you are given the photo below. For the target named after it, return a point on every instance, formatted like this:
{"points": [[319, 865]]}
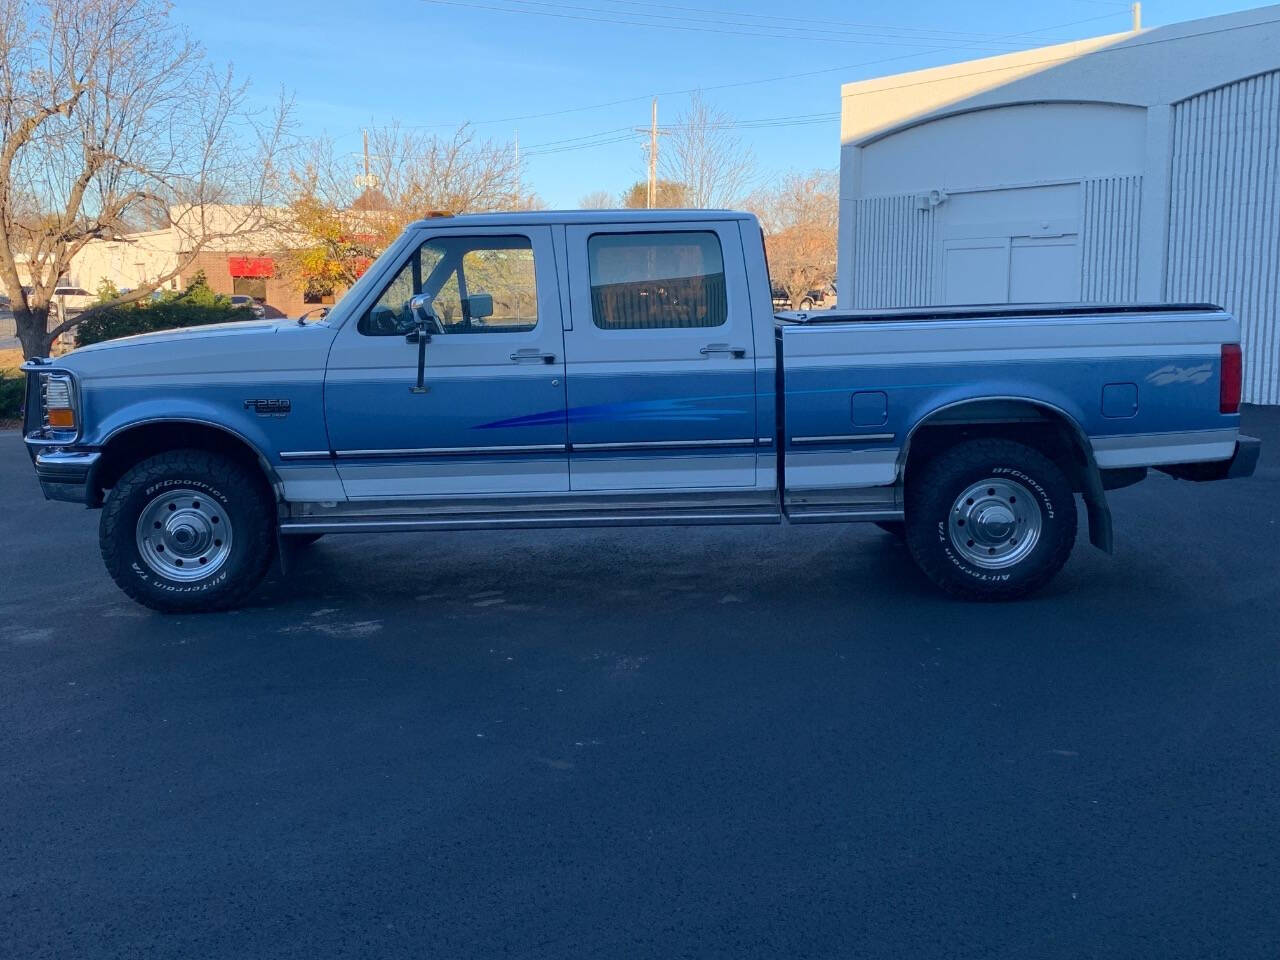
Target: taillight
{"points": [[1232, 375]]}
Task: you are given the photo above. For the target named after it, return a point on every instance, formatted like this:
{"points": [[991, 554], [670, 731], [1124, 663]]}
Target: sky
{"points": [[571, 79]]}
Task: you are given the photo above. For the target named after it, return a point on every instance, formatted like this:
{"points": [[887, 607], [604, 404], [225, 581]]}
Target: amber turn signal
{"points": [[61, 418]]}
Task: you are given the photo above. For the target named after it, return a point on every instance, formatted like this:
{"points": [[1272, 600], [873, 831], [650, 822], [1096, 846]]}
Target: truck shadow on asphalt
{"points": [[572, 574]]}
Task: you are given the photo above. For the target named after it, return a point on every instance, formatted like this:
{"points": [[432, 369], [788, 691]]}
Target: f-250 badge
{"points": [[269, 408]]}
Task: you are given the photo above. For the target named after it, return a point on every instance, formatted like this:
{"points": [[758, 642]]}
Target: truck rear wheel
{"points": [[990, 520], [187, 531]]}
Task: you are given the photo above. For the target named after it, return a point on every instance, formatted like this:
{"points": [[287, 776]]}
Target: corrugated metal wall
{"points": [[893, 253], [1109, 254], [1224, 216]]}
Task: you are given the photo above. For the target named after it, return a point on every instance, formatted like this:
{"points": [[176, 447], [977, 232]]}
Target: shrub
{"points": [[194, 307], [13, 387]]}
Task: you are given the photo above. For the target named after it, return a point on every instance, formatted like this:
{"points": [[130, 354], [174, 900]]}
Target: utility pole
{"points": [[365, 134], [1137, 17], [653, 156], [518, 183], [653, 132]]}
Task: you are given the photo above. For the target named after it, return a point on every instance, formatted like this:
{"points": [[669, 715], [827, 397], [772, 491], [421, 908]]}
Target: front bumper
{"points": [[1243, 463], [66, 474]]}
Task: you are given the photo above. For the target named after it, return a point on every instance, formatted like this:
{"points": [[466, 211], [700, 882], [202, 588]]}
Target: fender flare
{"points": [[273, 479], [1101, 530]]}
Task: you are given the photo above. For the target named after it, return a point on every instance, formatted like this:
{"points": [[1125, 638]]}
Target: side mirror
{"points": [[427, 324], [424, 313], [479, 305]]}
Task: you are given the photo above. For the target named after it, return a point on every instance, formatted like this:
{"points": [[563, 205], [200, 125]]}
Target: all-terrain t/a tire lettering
{"points": [[990, 519], [187, 530]]}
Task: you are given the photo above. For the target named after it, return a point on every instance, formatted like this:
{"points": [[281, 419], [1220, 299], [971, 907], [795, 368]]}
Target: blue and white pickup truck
{"points": [[613, 368]]}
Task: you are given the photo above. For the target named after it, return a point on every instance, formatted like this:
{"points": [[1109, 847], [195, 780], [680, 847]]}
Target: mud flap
{"points": [[1095, 502], [285, 547]]}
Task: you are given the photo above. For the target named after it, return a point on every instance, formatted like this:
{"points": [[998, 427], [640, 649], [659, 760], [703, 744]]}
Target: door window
{"points": [[476, 284], [652, 281]]}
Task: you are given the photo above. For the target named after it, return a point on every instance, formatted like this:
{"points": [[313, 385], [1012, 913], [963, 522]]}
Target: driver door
{"points": [[492, 417]]}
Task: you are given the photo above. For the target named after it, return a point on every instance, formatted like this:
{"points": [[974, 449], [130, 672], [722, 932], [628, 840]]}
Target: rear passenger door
{"points": [[660, 358]]}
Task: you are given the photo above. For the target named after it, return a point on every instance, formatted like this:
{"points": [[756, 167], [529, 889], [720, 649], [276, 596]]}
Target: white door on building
{"points": [[1044, 269], [1019, 245], [975, 270]]}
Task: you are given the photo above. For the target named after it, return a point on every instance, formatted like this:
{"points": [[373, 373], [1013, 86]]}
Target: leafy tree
{"points": [[799, 214], [671, 195], [342, 223]]}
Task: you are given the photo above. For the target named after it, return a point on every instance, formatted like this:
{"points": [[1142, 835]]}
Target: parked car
{"points": [[819, 298], [815, 299], [455, 388], [242, 302]]}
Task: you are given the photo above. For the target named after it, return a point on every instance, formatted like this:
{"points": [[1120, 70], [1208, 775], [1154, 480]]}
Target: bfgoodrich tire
{"points": [[990, 520], [187, 531]]}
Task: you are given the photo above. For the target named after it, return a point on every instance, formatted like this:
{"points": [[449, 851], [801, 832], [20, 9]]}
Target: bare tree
{"points": [[799, 215], [344, 219], [598, 200], [110, 116], [702, 153], [456, 174]]}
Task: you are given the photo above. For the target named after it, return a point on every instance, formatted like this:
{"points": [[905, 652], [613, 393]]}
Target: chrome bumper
{"points": [[65, 474]]}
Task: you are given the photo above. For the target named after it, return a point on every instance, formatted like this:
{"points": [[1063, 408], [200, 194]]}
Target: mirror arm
{"points": [[423, 339], [420, 307]]}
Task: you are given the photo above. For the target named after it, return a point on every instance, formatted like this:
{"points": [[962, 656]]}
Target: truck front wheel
{"points": [[990, 519], [187, 531]]}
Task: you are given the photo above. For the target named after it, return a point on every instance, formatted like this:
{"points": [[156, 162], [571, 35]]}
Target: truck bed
{"points": [[987, 312]]}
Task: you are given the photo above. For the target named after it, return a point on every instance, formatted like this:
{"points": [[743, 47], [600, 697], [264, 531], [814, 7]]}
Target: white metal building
{"points": [[1133, 167]]}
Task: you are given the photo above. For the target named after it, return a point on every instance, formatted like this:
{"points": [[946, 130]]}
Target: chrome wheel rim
{"points": [[184, 535], [995, 523]]}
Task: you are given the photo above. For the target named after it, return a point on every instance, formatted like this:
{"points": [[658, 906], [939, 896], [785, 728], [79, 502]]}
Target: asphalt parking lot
{"points": [[751, 742]]}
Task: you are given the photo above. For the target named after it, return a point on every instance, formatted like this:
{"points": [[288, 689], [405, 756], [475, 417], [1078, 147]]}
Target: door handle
{"points": [[713, 348], [533, 355]]}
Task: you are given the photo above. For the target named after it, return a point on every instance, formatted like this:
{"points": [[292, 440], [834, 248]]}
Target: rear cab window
{"points": [[656, 281]]}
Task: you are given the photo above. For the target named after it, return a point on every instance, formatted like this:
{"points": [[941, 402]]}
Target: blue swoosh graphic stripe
{"points": [[687, 409]]}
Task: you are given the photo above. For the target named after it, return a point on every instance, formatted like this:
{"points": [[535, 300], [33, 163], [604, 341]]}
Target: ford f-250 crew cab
{"points": [[612, 368]]}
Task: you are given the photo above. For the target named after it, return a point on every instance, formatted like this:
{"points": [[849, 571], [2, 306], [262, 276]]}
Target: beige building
{"points": [[1141, 166], [127, 261], [241, 251]]}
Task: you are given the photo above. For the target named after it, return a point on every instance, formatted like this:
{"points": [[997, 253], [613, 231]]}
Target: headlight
{"points": [[58, 401]]}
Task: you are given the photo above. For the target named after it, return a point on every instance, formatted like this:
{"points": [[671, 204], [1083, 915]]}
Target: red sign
{"points": [[251, 266]]}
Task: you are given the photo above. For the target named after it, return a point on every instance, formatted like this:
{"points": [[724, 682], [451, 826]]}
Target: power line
{"points": [[822, 23], [612, 17], [734, 84], [826, 32]]}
